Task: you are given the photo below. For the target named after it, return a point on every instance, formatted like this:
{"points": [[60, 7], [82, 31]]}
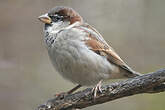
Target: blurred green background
{"points": [[135, 29]]}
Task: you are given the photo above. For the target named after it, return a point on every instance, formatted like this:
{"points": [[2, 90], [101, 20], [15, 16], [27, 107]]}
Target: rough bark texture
{"points": [[147, 83]]}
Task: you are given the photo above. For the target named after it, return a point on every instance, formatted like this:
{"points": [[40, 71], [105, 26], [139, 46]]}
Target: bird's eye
{"points": [[56, 18]]}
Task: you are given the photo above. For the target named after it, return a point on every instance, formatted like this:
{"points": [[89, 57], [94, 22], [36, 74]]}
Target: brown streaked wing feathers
{"points": [[100, 46], [100, 49]]}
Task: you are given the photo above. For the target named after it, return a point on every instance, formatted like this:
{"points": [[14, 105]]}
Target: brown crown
{"points": [[68, 13]]}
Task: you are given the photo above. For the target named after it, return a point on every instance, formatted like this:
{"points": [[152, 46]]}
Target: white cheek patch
{"points": [[58, 26], [55, 28], [72, 25]]}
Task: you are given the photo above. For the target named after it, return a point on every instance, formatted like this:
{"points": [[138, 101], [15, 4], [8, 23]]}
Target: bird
{"points": [[78, 51]]}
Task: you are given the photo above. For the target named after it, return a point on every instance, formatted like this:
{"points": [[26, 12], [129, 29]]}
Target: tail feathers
{"points": [[130, 73]]}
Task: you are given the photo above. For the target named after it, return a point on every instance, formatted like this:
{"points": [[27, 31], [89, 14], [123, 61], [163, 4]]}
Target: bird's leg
{"points": [[97, 88], [74, 89], [63, 94]]}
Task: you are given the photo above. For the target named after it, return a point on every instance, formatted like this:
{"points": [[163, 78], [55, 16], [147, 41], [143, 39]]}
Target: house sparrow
{"points": [[78, 52]]}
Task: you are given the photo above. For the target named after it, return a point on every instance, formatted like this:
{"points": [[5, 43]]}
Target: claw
{"points": [[97, 88]]}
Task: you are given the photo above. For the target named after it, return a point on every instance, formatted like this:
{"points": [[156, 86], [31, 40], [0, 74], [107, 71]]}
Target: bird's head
{"points": [[60, 17]]}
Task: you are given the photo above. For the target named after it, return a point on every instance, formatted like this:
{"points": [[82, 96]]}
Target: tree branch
{"points": [[147, 83]]}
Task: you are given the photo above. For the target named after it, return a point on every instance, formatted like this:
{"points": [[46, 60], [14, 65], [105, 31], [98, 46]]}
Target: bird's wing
{"points": [[97, 44]]}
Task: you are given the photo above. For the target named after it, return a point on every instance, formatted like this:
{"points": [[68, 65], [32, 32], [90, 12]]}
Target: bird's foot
{"points": [[97, 89]]}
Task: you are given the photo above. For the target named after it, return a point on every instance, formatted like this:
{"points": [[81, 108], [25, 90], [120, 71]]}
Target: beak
{"points": [[45, 19]]}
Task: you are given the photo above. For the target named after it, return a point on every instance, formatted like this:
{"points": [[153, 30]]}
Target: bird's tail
{"points": [[130, 73]]}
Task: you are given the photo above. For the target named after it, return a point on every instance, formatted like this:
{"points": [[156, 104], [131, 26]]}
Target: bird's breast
{"points": [[76, 62]]}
